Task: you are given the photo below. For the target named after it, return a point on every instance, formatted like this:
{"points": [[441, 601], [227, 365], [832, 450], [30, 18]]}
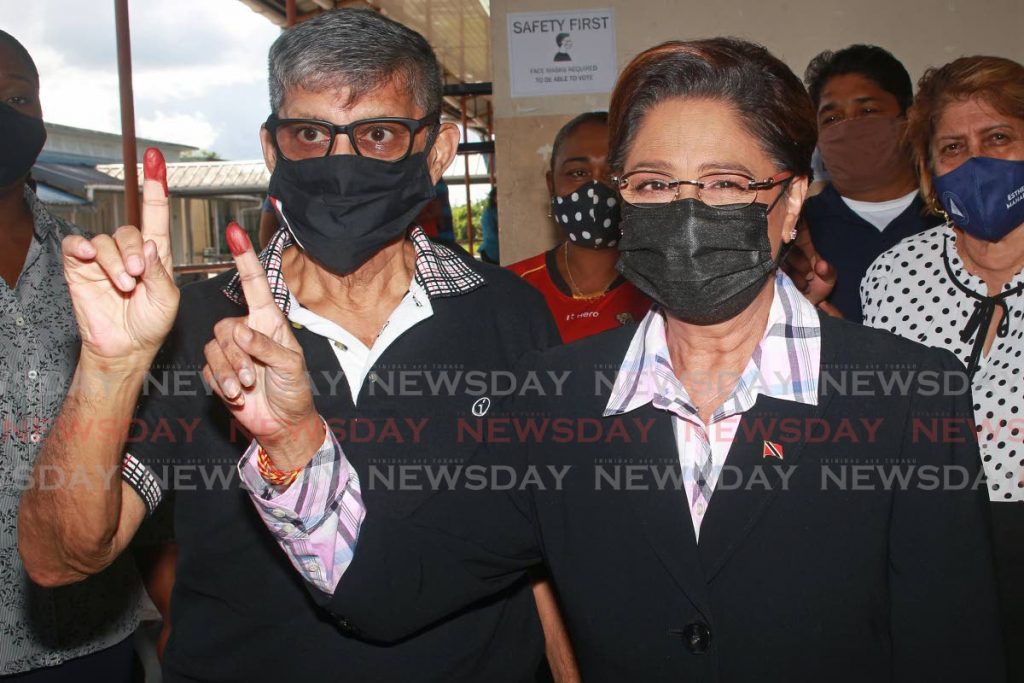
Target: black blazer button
{"points": [[346, 627], [697, 637]]}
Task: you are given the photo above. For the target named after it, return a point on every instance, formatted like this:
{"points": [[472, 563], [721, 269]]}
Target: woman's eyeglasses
{"points": [[651, 189], [386, 139]]}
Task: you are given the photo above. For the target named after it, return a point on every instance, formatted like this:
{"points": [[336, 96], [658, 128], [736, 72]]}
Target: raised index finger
{"points": [[250, 270], [156, 214]]}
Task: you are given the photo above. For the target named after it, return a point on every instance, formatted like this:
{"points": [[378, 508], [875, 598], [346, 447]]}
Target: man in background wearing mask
{"points": [[389, 324], [82, 632], [872, 202]]}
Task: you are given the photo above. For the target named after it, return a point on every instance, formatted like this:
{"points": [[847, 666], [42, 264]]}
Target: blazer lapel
{"points": [[767, 441], [664, 514]]}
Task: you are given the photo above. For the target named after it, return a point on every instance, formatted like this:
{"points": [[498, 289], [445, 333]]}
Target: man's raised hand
{"points": [[256, 366], [122, 287]]}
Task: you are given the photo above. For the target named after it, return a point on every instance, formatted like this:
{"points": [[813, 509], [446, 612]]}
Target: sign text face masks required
{"points": [[561, 53]]}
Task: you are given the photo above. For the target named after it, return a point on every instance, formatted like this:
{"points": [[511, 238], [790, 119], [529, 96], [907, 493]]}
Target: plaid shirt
{"points": [[785, 365], [316, 520], [439, 270]]}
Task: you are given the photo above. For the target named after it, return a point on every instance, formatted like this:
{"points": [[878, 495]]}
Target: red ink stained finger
{"points": [[238, 240], [154, 167]]}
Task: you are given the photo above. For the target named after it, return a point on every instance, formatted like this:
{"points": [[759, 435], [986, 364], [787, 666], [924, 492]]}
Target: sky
{"points": [[200, 73]]}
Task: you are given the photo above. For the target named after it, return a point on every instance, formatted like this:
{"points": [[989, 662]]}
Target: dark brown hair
{"points": [[768, 97], [998, 81]]}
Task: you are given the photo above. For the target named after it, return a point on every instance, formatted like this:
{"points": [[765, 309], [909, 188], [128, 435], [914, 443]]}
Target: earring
{"points": [[550, 212], [792, 235]]}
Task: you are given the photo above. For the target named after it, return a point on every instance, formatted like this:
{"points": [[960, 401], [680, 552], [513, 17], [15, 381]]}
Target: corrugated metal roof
{"points": [[205, 177], [73, 178], [54, 197], [60, 129], [458, 30], [200, 177]]}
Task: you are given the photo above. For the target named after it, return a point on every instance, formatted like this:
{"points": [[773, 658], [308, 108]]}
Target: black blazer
{"points": [[832, 564]]}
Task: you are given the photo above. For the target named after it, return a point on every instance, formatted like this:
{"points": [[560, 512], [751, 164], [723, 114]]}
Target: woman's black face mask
{"points": [[703, 264]]}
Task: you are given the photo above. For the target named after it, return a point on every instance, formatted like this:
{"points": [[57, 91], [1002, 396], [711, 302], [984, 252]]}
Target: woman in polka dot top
{"points": [[960, 286]]}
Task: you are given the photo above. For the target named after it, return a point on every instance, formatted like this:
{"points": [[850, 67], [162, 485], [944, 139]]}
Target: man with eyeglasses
{"points": [[388, 325]]}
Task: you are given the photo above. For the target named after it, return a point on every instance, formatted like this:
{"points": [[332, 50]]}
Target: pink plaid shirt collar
{"points": [[785, 365], [439, 270]]}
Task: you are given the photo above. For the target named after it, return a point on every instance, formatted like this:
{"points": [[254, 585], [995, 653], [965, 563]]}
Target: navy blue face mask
{"points": [[983, 196]]}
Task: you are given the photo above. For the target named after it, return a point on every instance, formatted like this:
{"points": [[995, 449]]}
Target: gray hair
{"points": [[356, 49]]}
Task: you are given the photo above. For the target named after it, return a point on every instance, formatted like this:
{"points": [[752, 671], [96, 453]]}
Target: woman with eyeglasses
{"points": [[960, 286], [578, 278], [735, 490]]}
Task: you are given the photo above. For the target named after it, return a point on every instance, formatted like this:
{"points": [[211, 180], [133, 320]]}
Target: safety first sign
{"points": [[561, 53]]}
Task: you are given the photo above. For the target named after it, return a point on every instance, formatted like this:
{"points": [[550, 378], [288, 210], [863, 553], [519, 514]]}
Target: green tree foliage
{"points": [[200, 155], [459, 222]]}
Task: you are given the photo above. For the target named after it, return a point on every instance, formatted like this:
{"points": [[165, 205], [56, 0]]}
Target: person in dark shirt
{"points": [[490, 249], [861, 94], [564, 43], [373, 306]]}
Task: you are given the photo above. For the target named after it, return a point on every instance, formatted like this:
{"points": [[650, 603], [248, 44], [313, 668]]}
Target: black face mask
{"points": [[343, 208], [23, 138], [702, 264]]}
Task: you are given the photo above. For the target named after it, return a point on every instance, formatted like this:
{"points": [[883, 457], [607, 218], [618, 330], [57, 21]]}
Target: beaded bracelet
{"points": [[271, 474]]}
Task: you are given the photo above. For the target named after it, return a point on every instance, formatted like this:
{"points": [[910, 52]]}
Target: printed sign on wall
{"points": [[561, 53]]}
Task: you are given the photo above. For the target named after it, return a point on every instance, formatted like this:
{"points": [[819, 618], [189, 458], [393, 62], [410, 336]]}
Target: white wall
{"points": [[921, 33]]}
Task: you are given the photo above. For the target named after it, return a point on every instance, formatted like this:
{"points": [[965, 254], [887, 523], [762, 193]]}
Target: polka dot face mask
{"points": [[589, 215]]}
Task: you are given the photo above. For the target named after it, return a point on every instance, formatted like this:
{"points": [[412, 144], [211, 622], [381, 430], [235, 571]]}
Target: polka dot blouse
{"points": [[907, 291]]}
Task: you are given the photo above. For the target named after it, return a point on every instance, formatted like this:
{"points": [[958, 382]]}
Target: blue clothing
{"points": [[851, 244], [489, 225], [446, 222]]}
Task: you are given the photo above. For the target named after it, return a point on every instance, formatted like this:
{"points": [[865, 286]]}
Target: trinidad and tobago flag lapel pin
{"points": [[772, 450]]}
